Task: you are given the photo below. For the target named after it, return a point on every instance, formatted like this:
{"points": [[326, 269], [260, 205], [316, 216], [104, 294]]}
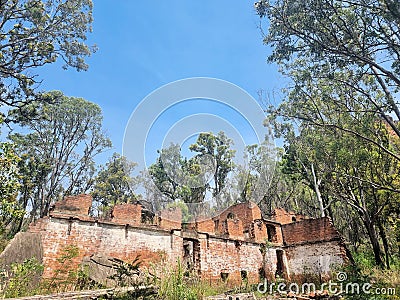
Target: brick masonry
{"points": [[235, 245], [231, 257], [316, 259], [127, 213], [309, 230]]}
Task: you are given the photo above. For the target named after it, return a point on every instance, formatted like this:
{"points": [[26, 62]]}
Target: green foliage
{"points": [[217, 149], [35, 33], [339, 115], [64, 275], [175, 287], [124, 272], [165, 172], [178, 178], [10, 209], [342, 57], [253, 181], [24, 279], [58, 148], [114, 183], [364, 272]]}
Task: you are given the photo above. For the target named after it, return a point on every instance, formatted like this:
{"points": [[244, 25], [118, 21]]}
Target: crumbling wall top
{"points": [[309, 231], [282, 216], [127, 213], [247, 212], [170, 218], [78, 205]]}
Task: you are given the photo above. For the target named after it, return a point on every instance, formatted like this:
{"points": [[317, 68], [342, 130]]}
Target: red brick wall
{"points": [[219, 255], [170, 218], [123, 242], [73, 205], [308, 231], [279, 235], [233, 222], [282, 216], [259, 231], [162, 241], [127, 213], [234, 229], [207, 225], [246, 212]]}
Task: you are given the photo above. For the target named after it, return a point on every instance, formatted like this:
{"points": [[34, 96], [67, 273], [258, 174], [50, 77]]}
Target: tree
{"points": [[306, 158], [61, 144], [344, 53], [343, 61], [35, 33], [114, 183], [166, 172], [346, 173], [216, 148], [179, 178], [254, 177], [9, 187]]}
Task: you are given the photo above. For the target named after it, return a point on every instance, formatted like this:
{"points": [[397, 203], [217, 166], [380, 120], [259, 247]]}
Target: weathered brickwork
{"points": [[76, 206], [316, 258], [127, 213], [285, 217], [235, 245], [313, 246], [123, 242], [234, 258], [170, 218], [309, 230], [203, 225], [246, 212]]}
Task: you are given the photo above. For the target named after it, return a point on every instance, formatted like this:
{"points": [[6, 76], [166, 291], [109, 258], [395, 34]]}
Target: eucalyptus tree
{"points": [[62, 140], [254, 176], [345, 53], [35, 33], [349, 178], [114, 183], [178, 178], [342, 59], [166, 172], [10, 209], [217, 149]]}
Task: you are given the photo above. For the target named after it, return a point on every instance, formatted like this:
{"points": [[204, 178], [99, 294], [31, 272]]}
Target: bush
{"points": [[175, 287], [24, 279]]}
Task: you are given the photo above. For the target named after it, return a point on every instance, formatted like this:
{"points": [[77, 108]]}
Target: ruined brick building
{"points": [[237, 244]]}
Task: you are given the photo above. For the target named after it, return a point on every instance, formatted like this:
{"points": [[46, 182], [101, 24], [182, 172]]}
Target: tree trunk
{"points": [[374, 239], [382, 233], [317, 191]]}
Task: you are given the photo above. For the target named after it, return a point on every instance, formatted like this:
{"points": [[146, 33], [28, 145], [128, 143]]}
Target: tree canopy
{"points": [[59, 147], [341, 55], [34, 33], [114, 183], [339, 115]]}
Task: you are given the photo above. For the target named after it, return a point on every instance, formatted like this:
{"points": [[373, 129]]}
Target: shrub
{"points": [[24, 279]]}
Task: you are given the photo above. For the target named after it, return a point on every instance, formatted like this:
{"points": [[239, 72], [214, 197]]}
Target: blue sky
{"points": [[144, 45]]}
